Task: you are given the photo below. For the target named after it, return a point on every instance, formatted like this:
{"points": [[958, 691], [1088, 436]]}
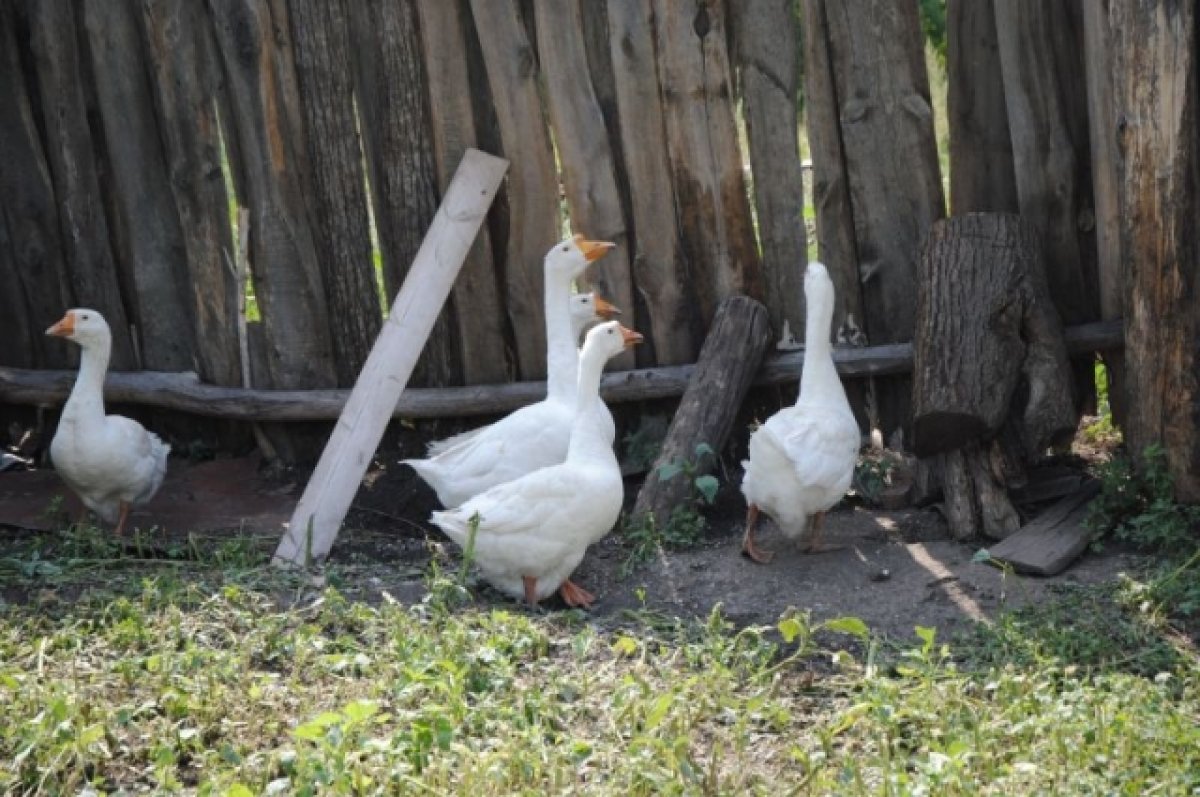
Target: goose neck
{"points": [[562, 358]]}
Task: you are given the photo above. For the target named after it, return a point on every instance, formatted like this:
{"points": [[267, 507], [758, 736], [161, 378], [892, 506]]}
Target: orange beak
{"points": [[604, 308], [593, 250], [631, 338], [65, 327]]}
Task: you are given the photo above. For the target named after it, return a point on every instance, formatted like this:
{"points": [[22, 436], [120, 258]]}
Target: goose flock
{"points": [[533, 491]]}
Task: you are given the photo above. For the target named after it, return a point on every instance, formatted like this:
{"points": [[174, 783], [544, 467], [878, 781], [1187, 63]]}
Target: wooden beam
{"points": [[329, 492], [185, 392]]}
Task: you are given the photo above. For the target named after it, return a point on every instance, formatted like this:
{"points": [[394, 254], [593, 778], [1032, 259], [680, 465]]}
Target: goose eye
{"points": [[565, 248]]}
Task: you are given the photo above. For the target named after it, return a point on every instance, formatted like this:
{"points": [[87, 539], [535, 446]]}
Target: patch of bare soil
{"points": [[898, 569]]}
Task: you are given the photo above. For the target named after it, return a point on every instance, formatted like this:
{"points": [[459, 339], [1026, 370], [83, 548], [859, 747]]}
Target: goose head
{"points": [[571, 256], [86, 327], [610, 339], [587, 308]]}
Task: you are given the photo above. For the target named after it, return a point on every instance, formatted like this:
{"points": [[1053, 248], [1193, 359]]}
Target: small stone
{"points": [[882, 574]]}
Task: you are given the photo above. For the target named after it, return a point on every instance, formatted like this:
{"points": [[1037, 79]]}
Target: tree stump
{"points": [[991, 382], [728, 361]]}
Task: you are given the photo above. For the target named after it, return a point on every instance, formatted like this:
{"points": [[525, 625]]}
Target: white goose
{"points": [[585, 309], [534, 531], [111, 462], [802, 459], [535, 436]]}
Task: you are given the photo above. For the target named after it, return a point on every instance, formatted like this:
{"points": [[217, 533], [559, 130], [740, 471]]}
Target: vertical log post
{"points": [[334, 483], [1155, 93], [658, 265]]}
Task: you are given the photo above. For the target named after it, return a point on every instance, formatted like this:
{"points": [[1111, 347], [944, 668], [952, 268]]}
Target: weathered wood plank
{"points": [[710, 188], [35, 283], [321, 32], [1053, 540], [735, 345], [182, 69], [1041, 57], [185, 392], [659, 270], [1155, 94], [981, 157], [1106, 164], [479, 314], [766, 37], [334, 483], [283, 259], [588, 170], [70, 152], [880, 94], [532, 183], [399, 148], [148, 236]]}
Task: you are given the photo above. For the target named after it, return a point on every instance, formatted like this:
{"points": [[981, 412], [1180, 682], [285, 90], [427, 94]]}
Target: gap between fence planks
{"points": [[185, 392], [327, 497]]}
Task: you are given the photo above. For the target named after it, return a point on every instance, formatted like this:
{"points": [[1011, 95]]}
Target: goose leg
{"points": [[748, 547], [575, 595], [530, 589], [814, 539], [122, 518]]}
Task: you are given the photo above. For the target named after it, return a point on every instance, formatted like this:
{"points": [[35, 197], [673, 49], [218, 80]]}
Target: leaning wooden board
{"points": [[1051, 541]]}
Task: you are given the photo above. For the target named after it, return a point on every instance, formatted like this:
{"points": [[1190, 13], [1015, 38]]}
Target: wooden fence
{"points": [[130, 129]]}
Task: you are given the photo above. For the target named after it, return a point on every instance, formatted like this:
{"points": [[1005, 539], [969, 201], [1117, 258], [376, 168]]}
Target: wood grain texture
{"points": [[767, 42], [1155, 96], [1041, 57], [183, 72], [147, 233], [589, 172], [341, 230], [479, 310], [735, 345], [981, 156], [532, 195], [399, 148], [34, 286], [659, 268], [710, 188], [283, 257], [70, 153], [1106, 163], [338, 475]]}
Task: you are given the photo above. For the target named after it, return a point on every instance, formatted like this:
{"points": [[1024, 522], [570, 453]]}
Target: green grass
{"points": [[212, 674]]}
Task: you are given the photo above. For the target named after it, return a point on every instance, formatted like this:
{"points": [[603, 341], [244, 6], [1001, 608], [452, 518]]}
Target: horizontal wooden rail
{"points": [[185, 392]]}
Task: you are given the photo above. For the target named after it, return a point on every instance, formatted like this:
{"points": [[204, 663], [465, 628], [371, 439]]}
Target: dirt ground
{"points": [[898, 569]]}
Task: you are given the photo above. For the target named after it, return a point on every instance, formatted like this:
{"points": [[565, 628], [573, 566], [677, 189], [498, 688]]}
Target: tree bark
{"points": [[984, 320], [321, 31], [70, 153], [532, 183], [283, 259], [479, 313], [879, 114], [36, 288], [1155, 88], [397, 134], [148, 234], [766, 37], [659, 269], [981, 155], [588, 169], [183, 68], [710, 187], [734, 347]]}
